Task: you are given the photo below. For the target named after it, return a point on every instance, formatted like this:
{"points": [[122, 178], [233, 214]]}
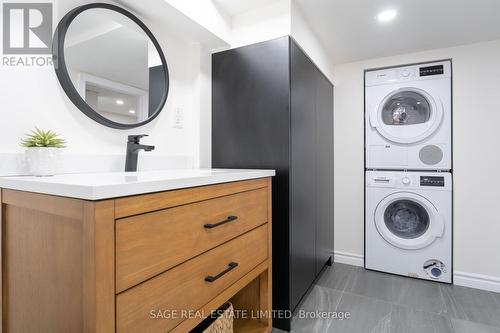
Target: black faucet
{"points": [[133, 147]]}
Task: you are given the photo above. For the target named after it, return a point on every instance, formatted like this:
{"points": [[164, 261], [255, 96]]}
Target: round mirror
{"points": [[110, 65]]}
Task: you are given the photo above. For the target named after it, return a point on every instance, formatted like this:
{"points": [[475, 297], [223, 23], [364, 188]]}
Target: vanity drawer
{"points": [[185, 287], [148, 244]]}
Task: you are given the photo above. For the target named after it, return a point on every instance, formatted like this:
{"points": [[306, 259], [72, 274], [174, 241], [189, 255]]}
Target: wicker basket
{"points": [[223, 324]]}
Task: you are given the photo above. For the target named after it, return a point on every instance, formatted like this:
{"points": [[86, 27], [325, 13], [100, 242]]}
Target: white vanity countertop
{"points": [[98, 186]]}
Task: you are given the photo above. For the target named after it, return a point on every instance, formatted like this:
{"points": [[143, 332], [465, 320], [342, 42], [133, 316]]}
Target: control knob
{"points": [[405, 73]]}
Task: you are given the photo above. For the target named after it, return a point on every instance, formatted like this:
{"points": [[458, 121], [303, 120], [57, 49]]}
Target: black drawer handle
{"points": [[231, 266], [213, 225]]}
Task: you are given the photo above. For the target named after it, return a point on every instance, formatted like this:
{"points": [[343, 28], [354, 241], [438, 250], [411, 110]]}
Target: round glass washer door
{"points": [[407, 115], [408, 221]]}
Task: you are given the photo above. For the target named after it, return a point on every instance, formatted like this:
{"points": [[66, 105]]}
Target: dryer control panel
{"points": [[393, 75]]}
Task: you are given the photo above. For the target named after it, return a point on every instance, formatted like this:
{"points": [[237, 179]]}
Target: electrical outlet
{"points": [[178, 121]]}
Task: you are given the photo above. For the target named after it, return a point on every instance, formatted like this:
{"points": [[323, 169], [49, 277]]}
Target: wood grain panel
{"points": [[251, 298], [2, 308], [189, 324], [67, 207], [145, 243], [248, 298], [184, 287], [266, 294], [42, 264], [98, 267], [150, 202]]}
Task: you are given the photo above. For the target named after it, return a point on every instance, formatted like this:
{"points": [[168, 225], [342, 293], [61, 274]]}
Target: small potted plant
{"points": [[42, 151]]}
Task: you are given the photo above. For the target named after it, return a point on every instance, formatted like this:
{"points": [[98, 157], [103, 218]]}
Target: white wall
{"points": [[279, 19], [202, 121], [207, 14], [33, 97], [305, 37], [476, 115], [263, 23]]}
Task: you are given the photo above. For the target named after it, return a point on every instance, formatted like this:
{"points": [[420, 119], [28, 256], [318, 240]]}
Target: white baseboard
{"points": [[477, 281], [348, 258], [464, 279]]}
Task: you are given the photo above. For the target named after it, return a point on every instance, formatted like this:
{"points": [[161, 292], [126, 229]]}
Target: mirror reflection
{"points": [[114, 66]]}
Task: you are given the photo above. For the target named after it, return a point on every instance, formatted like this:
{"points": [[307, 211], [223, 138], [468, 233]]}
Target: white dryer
{"points": [[408, 224], [408, 117]]}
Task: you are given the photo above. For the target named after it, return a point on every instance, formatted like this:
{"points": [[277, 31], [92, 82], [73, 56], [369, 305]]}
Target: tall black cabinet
{"points": [[273, 108]]}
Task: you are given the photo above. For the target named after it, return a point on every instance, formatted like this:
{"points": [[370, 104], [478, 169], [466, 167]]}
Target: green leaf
{"points": [[42, 138]]}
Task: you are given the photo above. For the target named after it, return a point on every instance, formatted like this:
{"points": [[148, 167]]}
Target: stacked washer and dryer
{"points": [[408, 156]]}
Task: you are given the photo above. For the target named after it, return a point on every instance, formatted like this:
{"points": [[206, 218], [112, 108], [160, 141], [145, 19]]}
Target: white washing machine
{"points": [[408, 117], [408, 224]]}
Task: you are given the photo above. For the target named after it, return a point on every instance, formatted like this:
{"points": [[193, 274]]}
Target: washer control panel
{"points": [[410, 180], [431, 181], [431, 70]]}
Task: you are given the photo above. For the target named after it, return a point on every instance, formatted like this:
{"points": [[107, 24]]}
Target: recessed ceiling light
{"points": [[387, 15], [131, 111], [119, 102]]}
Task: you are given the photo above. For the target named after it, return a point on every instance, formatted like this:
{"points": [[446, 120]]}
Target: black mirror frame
{"points": [[65, 80]]}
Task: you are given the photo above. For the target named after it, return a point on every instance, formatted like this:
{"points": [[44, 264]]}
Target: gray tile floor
{"points": [[384, 303]]}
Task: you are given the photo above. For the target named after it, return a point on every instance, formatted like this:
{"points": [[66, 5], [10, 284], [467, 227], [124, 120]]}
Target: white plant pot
{"points": [[43, 161]]}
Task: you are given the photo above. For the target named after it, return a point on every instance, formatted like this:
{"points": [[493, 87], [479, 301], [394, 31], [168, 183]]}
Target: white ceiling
{"points": [[235, 7], [349, 31]]}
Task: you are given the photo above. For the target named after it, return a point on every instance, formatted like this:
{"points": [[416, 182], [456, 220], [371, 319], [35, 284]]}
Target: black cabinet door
{"points": [[250, 106], [272, 108], [251, 129], [324, 170], [303, 173]]}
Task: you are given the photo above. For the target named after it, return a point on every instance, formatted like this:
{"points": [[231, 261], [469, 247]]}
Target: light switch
{"points": [[178, 121]]}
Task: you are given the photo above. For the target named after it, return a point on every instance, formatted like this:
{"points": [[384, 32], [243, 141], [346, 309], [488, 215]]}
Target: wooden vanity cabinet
{"points": [[124, 264]]}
